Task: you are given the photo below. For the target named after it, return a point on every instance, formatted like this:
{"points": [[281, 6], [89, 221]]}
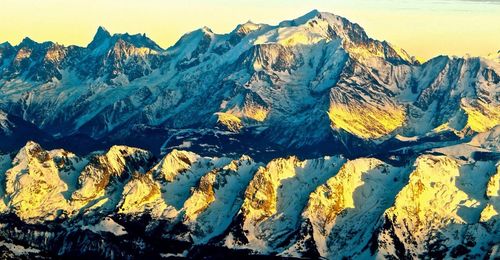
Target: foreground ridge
{"points": [[124, 203]]}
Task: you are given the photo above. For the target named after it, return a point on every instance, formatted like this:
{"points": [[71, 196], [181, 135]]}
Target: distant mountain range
{"points": [[313, 85], [305, 139]]}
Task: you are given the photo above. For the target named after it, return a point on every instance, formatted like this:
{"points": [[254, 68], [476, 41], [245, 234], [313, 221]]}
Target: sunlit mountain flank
{"points": [[306, 139]]}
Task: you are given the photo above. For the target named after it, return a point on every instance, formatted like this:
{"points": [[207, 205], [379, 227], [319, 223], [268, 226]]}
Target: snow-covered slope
{"points": [[274, 200], [342, 214], [442, 211]]}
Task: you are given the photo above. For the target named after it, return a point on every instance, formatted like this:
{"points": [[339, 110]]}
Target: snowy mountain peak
{"points": [[173, 163], [318, 78], [139, 40], [30, 150], [300, 20], [351, 200], [27, 42], [207, 30], [33, 186], [102, 32], [333, 25], [100, 36], [5, 45], [316, 27], [246, 28], [103, 40]]}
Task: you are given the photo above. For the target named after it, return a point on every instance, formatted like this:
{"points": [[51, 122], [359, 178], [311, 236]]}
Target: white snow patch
{"points": [[107, 225], [406, 139], [19, 250]]}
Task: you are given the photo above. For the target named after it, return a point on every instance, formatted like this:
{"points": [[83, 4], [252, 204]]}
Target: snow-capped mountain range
{"points": [[313, 85], [124, 203], [302, 139]]}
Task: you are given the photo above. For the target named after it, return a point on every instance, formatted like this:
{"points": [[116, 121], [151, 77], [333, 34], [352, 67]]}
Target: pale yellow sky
{"points": [[425, 28]]}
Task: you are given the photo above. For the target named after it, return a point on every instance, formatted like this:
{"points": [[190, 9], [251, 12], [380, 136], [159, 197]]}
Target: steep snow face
{"points": [[38, 185], [439, 211], [344, 212], [217, 198], [481, 116], [274, 200], [163, 191], [178, 173], [174, 163], [453, 93], [141, 195], [102, 178], [363, 109], [200, 193], [482, 108], [152, 193]]}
